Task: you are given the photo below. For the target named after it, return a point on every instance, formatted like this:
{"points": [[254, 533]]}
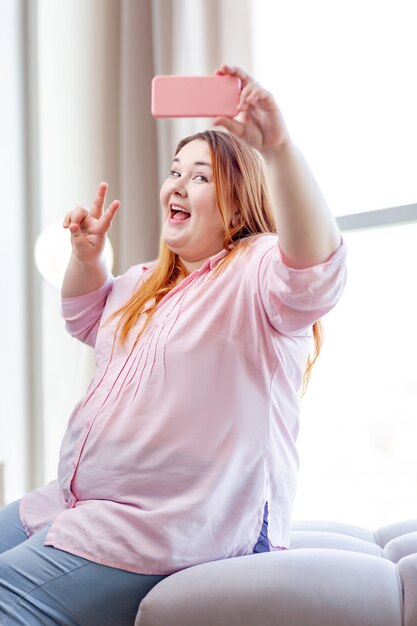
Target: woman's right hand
{"points": [[88, 228]]}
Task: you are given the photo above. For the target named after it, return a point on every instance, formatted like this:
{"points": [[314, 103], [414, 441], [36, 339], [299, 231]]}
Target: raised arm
{"points": [[308, 232], [86, 269]]}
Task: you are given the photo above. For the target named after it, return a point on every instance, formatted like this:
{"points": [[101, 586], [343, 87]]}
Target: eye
{"points": [[201, 177], [174, 173]]}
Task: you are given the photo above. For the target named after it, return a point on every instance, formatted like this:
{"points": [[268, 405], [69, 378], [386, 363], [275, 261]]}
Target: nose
{"points": [[178, 188]]}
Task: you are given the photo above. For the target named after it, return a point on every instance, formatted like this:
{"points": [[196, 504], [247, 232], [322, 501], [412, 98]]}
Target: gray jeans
{"points": [[43, 586]]}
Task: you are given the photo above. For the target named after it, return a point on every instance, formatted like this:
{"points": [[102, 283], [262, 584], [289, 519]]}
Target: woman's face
{"points": [[192, 224]]}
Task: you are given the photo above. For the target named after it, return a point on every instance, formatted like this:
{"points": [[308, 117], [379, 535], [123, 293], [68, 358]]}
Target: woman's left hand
{"points": [[259, 122]]}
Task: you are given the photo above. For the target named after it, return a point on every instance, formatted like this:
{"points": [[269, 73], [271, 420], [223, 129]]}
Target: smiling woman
{"points": [[193, 226], [230, 204], [183, 448]]}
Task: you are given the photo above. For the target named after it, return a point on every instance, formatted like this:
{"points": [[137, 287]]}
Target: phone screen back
{"points": [[195, 96]]}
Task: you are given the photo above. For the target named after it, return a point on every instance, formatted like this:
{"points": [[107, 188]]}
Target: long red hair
{"points": [[239, 181]]}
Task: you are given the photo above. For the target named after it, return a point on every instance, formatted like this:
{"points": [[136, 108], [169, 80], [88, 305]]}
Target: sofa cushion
{"points": [[305, 586], [386, 533], [407, 568], [400, 547], [334, 527], [337, 541]]}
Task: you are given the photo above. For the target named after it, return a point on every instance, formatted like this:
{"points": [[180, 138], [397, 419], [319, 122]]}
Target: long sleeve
{"points": [[82, 314], [296, 298]]}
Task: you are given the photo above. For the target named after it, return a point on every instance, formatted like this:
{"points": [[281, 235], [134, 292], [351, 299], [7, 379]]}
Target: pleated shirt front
{"points": [[182, 437]]}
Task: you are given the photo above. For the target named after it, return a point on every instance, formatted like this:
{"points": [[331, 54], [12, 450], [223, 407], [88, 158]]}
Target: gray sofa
{"points": [[333, 575]]}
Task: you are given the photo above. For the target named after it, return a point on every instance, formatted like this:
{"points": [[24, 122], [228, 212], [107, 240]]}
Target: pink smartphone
{"points": [[195, 96]]}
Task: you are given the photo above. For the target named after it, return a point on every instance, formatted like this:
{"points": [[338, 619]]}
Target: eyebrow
{"points": [[176, 160]]}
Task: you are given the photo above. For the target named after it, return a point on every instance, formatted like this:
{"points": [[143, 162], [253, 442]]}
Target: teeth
{"points": [[174, 207]]}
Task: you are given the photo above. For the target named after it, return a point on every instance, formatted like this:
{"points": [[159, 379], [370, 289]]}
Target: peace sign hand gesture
{"points": [[259, 122], [88, 228]]}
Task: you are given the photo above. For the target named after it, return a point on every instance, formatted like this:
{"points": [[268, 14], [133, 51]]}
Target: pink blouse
{"points": [[180, 440]]}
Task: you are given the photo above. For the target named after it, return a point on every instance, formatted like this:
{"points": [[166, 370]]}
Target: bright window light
{"points": [[359, 414], [344, 74]]}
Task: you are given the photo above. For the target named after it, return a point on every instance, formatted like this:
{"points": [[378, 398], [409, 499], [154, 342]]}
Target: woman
{"points": [[186, 435]]}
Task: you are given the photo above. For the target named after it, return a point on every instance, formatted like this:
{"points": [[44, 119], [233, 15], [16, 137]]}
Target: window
{"points": [[342, 74], [359, 414]]}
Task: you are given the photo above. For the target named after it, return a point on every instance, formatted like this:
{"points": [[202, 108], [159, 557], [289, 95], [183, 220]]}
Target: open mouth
{"points": [[178, 213]]}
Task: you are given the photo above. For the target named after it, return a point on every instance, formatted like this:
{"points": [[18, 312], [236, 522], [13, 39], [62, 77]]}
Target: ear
{"points": [[235, 219]]}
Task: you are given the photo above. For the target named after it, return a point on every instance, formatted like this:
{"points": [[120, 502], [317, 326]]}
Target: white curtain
{"points": [[89, 91], [165, 37], [195, 37], [15, 277]]}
